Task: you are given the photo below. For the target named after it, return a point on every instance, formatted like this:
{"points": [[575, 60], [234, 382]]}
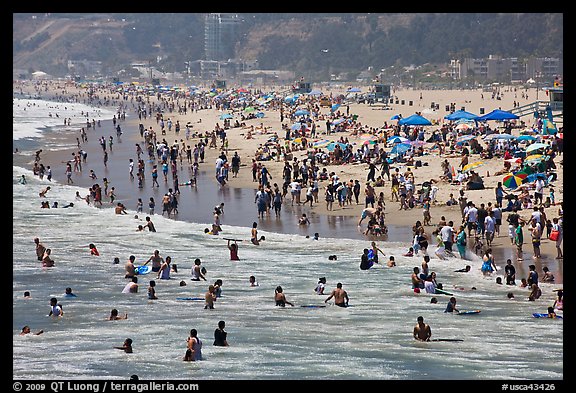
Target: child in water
{"points": [[93, 249]]}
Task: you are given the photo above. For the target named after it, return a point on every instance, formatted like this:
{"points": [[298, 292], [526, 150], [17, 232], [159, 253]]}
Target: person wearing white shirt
{"points": [[471, 216], [489, 228], [538, 190]]}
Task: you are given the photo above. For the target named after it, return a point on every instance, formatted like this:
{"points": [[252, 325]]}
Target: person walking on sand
{"points": [[422, 331], [340, 296]]}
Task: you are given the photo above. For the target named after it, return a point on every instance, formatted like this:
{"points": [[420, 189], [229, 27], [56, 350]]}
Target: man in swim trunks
{"points": [[367, 212], [130, 268], [40, 249], [422, 331], [340, 296], [157, 261]]}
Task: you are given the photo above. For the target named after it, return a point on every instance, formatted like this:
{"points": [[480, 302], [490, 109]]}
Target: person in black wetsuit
{"points": [[220, 335]]}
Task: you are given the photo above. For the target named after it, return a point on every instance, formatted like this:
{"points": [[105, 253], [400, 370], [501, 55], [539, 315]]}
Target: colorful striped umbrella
{"points": [[512, 181]]}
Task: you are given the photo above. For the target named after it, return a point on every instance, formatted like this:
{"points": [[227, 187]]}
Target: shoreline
{"points": [[238, 193]]}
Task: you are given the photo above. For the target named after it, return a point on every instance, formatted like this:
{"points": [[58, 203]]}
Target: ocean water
{"points": [[370, 340]]}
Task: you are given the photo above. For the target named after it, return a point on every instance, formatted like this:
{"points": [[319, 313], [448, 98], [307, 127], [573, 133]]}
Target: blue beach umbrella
{"points": [[226, 116], [334, 107], [354, 90], [400, 148], [260, 115], [397, 139], [298, 126], [301, 112], [415, 120], [501, 136], [526, 138], [396, 117]]}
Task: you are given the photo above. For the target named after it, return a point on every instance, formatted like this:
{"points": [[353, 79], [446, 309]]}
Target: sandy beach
{"points": [[197, 203]]}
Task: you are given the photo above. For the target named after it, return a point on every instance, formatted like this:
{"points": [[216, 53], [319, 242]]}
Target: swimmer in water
{"points": [[340, 296], [280, 298]]}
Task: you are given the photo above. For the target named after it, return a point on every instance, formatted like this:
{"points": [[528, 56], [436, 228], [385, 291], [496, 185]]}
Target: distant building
{"points": [[84, 67], [496, 68], [220, 36]]}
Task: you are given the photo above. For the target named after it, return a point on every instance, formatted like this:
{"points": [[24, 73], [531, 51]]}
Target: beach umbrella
{"points": [[397, 139], [334, 107], [369, 142], [473, 165], [354, 90], [396, 117], [298, 126], [338, 121], [260, 115], [532, 177], [464, 127], [226, 116], [315, 93], [501, 136], [415, 120], [534, 158], [464, 138], [321, 144], [498, 114], [301, 112], [249, 109], [417, 143], [526, 138], [461, 115], [517, 160], [400, 148], [512, 181], [332, 145], [535, 146]]}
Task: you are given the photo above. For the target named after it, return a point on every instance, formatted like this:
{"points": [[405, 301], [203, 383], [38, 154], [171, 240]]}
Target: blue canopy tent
{"points": [[415, 120], [498, 114], [461, 115]]}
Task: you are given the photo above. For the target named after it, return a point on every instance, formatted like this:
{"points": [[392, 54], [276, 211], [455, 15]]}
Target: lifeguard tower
{"points": [[302, 87], [381, 93]]}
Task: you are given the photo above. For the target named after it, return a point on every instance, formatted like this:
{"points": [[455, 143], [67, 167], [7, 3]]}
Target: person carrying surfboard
{"points": [[233, 250]]}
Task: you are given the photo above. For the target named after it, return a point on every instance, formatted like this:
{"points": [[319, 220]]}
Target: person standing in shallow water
{"points": [[195, 345], [422, 331], [220, 335]]}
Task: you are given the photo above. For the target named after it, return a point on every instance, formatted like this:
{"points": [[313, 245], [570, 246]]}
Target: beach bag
{"points": [[554, 234]]}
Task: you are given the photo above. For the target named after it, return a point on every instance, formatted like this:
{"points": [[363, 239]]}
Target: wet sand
{"points": [[196, 204]]}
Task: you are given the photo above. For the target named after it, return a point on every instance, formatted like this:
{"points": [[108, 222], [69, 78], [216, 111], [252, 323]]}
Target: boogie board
{"points": [[234, 240], [313, 306], [189, 298], [442, 292], [469, 312], [143, 269], [544, 315], [447, 339]]}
